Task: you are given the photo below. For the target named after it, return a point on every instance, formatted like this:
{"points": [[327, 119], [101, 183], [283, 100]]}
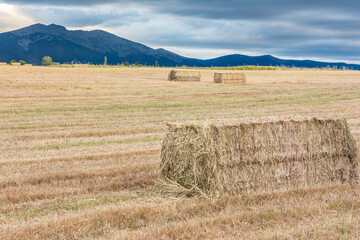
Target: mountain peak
{"points": [[29, 30], [56, 27], [38, 27]]}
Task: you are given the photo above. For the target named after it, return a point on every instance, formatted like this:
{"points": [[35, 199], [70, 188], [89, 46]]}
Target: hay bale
{"points": [[3, 63], [184, 75], [231, 77], [258, 157], [15, 64], [80, 65]]}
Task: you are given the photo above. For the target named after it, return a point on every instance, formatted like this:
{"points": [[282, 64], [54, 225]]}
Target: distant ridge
{"points": [[33, 42]]}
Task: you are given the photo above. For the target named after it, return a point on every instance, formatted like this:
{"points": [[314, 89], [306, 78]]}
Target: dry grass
{"points": [[80, 154]]}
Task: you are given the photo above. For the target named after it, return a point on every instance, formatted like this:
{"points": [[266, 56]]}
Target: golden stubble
{"points": [[80, 153]]}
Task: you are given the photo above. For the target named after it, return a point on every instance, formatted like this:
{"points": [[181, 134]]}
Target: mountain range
{"points": [[33, 42]]}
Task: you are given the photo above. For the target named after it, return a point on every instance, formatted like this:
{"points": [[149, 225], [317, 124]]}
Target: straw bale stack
{"points": [[184, 75], [3, 63], [15, 64], [230, 78], [258, 157]]}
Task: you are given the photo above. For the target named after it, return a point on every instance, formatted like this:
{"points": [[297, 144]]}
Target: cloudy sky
{"points": [[302, 29]]}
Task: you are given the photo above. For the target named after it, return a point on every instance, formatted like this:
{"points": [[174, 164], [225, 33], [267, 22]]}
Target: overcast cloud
{"points": [[321, 30]]}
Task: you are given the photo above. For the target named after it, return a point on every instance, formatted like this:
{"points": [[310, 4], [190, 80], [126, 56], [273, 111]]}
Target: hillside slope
{"points": [[33, 42]]}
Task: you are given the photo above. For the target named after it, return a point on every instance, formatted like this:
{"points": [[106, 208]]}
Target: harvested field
{"points": [[230, 78], [80, 155], [184, 76]]}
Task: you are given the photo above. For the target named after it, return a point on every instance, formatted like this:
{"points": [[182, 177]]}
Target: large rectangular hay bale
{"points": [[15, 64], [231, 78], [259, 157], [3, 63], [184, 75]]}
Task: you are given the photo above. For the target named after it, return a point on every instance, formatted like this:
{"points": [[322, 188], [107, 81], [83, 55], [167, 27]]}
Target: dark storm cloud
{"points": [[308, 28], [348, 25], [226, 9]]}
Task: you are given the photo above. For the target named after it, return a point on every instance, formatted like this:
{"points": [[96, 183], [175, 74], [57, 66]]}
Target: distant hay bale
{"points": [[258, 157], [15, 64], [184, 75], [3, 63], [80, 65], [231, 78]]}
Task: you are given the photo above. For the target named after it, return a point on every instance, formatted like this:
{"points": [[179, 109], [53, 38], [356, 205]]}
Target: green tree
{"points": [[12, 61], [136, 64], [46, 61], [156, 63], [22, 62], [105, 61]]}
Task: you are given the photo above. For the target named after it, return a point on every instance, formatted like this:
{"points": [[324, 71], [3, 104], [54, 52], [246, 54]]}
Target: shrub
{"points": [[46, 61], [22, 62]]}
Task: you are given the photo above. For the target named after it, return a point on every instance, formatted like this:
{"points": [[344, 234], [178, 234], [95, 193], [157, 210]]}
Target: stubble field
{"points": [[80, 153]]}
